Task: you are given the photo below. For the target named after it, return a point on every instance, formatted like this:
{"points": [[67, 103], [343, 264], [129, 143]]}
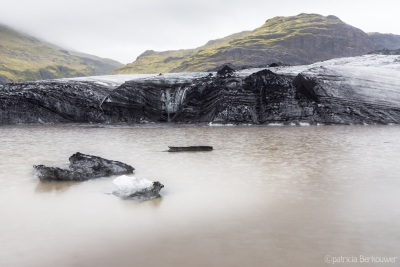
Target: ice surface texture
{"points": [[130, 187], [356, 90], [82, 167]]}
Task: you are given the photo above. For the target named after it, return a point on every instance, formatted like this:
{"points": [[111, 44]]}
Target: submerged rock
{"points": [[83, 167], [134, 188]]}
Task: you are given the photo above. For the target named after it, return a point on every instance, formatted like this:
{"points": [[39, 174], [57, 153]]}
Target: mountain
{"points": [[24, 58], [301, 39]]}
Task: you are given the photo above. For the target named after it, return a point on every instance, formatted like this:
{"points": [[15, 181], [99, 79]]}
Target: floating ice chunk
{"points": [[220, 124], [128, 185], [131, 187], [275, 124]]}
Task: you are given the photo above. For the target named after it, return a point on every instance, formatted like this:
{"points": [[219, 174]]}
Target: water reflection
{"points": [[54, 186], [153, 203]]}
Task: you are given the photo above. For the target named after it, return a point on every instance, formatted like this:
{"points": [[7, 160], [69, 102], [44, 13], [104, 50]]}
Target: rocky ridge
{"points": [[294, 40]]}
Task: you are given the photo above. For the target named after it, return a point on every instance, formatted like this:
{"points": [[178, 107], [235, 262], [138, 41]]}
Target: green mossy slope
{"points": [[25, 58], [301, 39]]}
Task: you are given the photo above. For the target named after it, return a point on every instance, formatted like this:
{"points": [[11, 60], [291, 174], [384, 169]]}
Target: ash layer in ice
{"points": [[134, 188], [357, 90], [83, 167]]}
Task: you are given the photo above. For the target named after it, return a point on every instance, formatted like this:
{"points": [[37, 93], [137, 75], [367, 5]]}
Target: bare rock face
{"points": [[83, 167], [3, 80], [385, 52], [294, 40]]}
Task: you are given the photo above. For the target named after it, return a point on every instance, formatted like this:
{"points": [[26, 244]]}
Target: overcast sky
{"points": [[123, 29]]}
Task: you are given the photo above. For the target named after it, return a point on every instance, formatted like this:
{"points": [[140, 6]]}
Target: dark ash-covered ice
{"points": [[355, 90], [82, 167]]}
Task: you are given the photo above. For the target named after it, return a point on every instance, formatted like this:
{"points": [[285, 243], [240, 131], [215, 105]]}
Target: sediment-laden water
{"points": [[266, 196]]}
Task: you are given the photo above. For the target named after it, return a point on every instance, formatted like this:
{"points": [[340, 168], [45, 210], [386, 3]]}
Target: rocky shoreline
{"points": [[358, 90]]}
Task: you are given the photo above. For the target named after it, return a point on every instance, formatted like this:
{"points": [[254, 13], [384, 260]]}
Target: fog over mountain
{"points": [[122, 29]]}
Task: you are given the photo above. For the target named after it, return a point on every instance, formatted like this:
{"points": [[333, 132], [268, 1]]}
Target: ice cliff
{"points": [[356, 90]]}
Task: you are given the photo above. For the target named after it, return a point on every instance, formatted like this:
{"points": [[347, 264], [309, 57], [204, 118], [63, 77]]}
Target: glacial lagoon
{"points": [[265, 196]]}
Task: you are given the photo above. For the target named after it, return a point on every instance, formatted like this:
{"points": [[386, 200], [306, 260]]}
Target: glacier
{"points": [[354, 90]]}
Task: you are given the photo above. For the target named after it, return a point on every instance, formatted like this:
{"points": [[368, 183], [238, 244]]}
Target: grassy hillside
{"points": [[281, 29], [301, 39], [24, 58], [156, 62]]}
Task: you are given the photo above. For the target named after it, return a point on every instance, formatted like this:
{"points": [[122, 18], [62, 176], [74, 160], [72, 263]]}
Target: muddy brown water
{"points": [[266, 196]]}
